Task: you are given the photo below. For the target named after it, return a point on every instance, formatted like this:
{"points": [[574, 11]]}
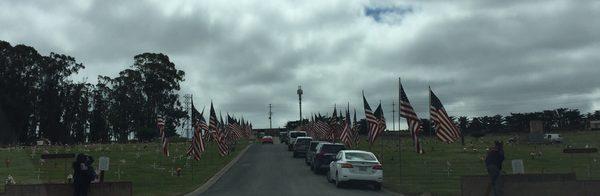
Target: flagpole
{"points": [[382, 131], [399, 138], [429, 109], [367, 122]]}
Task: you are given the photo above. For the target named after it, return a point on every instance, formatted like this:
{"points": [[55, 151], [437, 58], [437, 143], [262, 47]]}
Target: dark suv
{"points": [[310, 154], [301, 146], [283, 137], [324, 154]]}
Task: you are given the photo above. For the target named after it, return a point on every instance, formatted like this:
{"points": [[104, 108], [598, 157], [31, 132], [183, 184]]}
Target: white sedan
{"points": [[355, 166]]}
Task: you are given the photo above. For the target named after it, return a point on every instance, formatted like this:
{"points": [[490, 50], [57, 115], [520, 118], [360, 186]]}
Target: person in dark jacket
{"points": [[83, 174], [493, 164]]}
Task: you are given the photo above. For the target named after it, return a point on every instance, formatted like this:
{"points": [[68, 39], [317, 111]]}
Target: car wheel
{"points": [[338, 183], [377, 186], [329, 177]]}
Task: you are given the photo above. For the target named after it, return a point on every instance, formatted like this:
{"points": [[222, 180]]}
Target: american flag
{"points": [[197, 146], [217, 134], [445, 129], [333, 125], [234, 127], [372, 121], [407, 111], [160, 123], [346, 135], [381, 126], [225, 137], [321, 128]]}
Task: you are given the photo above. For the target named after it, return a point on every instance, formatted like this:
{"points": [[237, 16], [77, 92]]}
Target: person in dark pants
{"points": [[493, 164], [83, 174]]}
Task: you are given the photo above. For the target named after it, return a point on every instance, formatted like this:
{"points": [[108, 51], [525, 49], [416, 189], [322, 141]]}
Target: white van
{"points": [[292, 135]]}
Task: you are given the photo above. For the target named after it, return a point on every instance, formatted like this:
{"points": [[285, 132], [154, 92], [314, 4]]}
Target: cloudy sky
{"points": [[480, 57]]}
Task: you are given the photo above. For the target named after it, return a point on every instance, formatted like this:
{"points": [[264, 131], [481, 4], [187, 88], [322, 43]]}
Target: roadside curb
{"points": [[219, 174], [391, 192]]}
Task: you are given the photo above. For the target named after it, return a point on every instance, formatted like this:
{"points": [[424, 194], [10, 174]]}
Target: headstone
{"points": [[536, 131], [517, 166], [536, 126], [103, 163]]}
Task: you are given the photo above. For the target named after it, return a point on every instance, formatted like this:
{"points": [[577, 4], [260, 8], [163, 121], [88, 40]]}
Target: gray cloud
{"points": [[480, 57]]}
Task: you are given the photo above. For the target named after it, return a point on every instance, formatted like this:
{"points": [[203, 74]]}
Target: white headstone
{"points": [[517, 166], [103, 163]]}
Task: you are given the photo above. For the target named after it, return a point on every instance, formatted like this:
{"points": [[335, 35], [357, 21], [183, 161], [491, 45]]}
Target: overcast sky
{"points": [[480, 57]]}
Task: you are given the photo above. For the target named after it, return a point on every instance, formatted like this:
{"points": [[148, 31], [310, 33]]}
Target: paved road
{"points": [[271, 170]]}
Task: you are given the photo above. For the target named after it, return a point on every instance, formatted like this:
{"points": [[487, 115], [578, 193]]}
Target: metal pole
{"points": [[399, 140], [382, 132], [270, 117], [300, 92], [394, 116]]}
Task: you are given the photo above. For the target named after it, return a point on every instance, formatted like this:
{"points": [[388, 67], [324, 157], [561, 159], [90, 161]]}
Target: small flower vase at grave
{"points": [[9, 180], [7, 162]]}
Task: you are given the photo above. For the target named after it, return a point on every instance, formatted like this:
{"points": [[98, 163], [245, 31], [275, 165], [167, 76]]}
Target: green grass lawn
{"points": [[438, 170], [142, 164]]}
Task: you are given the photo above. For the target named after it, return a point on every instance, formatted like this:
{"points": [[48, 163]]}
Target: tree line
{"points": [[40, 99]]}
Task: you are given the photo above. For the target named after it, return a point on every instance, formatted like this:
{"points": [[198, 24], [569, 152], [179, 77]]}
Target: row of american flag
{"points": [[342, 128], [224, 133]]}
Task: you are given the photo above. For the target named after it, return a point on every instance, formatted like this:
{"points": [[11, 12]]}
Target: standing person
{"points": [[83, 174], [493, 164]]}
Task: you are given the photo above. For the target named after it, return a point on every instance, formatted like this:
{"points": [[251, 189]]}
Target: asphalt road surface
{"points": [[268, 169]]}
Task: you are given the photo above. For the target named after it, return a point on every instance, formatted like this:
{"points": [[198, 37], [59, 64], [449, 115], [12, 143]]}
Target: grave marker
{"points": [[517, 166]]}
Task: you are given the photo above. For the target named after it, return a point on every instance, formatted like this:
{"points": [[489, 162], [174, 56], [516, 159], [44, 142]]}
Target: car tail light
{"points": [[346, 165], [378, 167]]}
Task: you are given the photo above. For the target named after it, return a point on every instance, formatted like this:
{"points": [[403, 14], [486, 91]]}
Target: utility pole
{"points": [[300, 92], [270, 117]]}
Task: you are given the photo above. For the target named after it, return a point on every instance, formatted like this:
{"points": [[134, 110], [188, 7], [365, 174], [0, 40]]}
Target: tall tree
{"points": [[99, 127], [19, 73]]}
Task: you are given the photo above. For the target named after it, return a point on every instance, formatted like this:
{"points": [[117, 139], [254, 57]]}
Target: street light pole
{"points": [[300, 92]]}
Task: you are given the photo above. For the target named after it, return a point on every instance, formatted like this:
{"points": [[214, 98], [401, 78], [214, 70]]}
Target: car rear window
{"points": [[303, 141], [332, 148], [295, 135], [356, 156], [313, 146]]}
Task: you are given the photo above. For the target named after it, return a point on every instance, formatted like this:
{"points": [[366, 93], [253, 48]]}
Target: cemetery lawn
{"points": [[141, 163], [438, 171]]}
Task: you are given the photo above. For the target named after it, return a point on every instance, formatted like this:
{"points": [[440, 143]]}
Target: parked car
{"points": [[292, 135], [266, 140], [310, 153], [355, 166], [553, 138], [301, 146], [283, 137], [324, 154]]}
